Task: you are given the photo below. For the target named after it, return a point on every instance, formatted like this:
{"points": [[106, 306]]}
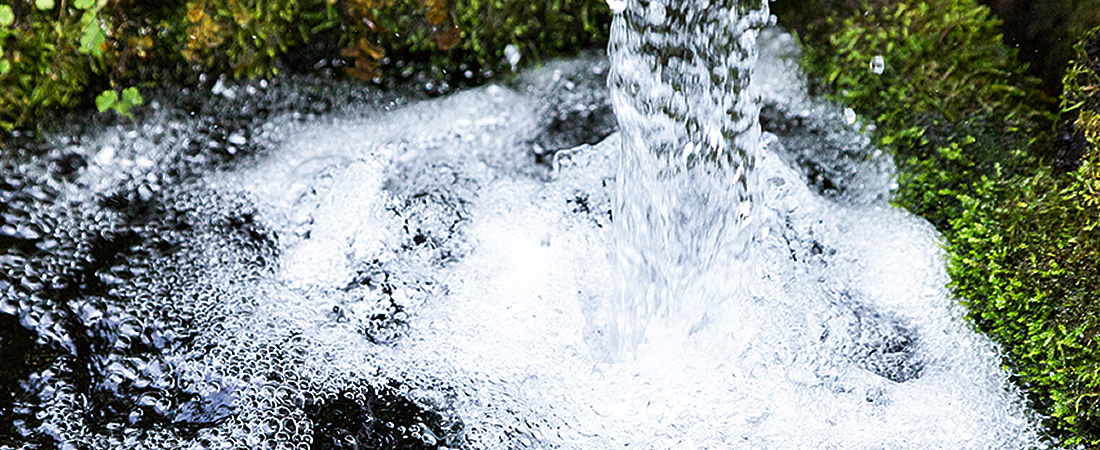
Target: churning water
{"points": [[255, 267], [684, 204]]}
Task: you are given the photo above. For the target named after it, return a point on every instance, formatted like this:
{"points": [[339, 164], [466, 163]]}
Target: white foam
{"points": [[496, 286]]}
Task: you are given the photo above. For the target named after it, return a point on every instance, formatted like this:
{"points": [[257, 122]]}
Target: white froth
{"points": [[503, 275]]}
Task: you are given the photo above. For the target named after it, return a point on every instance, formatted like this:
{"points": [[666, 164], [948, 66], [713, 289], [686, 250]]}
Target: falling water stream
{"points": [[684, 204], [540, 263]]}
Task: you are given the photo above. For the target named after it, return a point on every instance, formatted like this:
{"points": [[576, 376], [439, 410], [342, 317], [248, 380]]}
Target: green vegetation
{"points": [[951, 98], [63, 54], [109, 100], [978, 156]]}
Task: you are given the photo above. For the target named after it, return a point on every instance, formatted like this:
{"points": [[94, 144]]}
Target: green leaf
{"points": [[131, 96], [106, 100], [43, 4], [6, 16], [93, 38], [5, 66], [83, 4]]}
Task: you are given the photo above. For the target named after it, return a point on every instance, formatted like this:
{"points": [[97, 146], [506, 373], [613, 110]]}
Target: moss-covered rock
{"points": [[971, 134], [61, 54]]}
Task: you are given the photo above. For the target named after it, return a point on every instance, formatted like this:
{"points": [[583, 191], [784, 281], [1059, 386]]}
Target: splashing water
{"points": [[684, 204], [438, 274]]}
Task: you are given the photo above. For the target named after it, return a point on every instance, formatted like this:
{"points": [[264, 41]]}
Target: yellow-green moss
{"points": [[970, 133], [40, 66], [951, 98], [1082, 99], [1024, 254]]}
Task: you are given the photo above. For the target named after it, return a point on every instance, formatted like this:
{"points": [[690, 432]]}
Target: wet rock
{"points": [[379, 418], [834, 160], [576, 109], [21, 356], [884, 345], [1071, 147]]}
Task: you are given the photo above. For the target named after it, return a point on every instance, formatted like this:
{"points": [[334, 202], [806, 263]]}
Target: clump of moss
{"points": [[243, 37], [947, 94], [1041, 236], [1026, 256], [41, 65], [58, 55], [527, 25], [970, 133], [472, 35]]}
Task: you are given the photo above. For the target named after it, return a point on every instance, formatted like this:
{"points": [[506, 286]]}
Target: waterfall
{"points": [[686, 190]]}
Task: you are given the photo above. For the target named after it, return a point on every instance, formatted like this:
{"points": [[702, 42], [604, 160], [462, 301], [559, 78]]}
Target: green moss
{"points": [[473, 34], [1024, 253], [65, 54], [245, 37], [950, 99], [537, 29], [41, 66], [968, 130]]}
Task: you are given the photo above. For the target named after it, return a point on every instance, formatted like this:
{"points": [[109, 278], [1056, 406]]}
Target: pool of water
{"points": [[302, 263]]}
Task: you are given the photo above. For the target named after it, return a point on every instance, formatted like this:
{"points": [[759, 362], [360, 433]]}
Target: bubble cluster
{"points": [[134, 278]]}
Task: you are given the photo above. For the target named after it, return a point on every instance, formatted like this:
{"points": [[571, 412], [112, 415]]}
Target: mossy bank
{"points": [[57, 54], [1008, 174]]}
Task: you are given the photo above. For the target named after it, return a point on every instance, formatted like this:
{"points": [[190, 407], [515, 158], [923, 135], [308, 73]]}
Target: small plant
{"points": [[6, 19], [110, 100], [93, 37]]}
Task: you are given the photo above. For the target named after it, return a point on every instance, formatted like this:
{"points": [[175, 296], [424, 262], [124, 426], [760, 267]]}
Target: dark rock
{"points": [[381, 418], [575, 110]]}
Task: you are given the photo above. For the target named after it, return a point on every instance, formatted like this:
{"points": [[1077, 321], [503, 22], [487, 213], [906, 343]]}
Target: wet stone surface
{"points": [[575, 110], [100, 237], [378, 419]]}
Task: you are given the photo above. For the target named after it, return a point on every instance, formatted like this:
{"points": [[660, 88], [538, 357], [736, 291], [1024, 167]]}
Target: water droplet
{"points": [[878, 65], [513, 55]]}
